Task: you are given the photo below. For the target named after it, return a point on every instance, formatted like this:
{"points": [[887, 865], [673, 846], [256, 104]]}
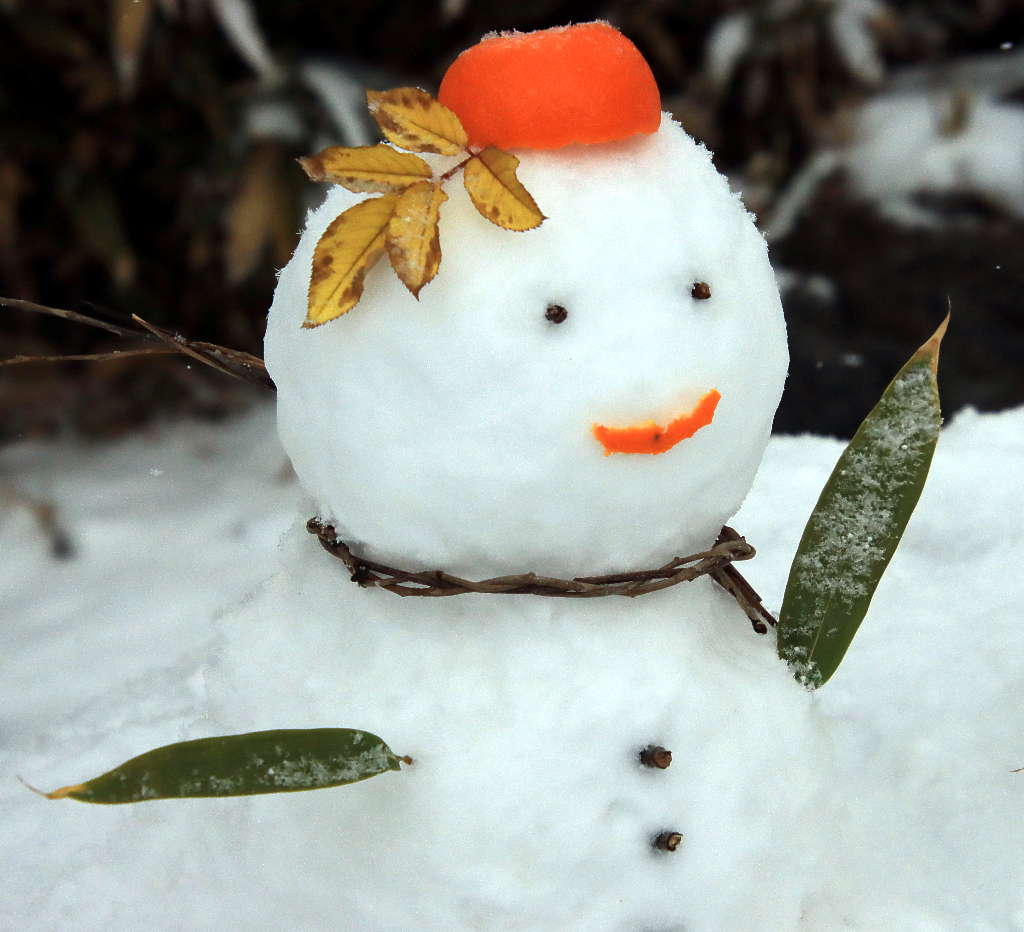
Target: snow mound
{"points": [[886, 797], [960, 139]]}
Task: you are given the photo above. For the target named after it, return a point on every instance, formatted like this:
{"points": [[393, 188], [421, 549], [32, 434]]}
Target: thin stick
{"points": [[236, 363], [250, 368], [91, 357], [732, 581], [22, 305]]}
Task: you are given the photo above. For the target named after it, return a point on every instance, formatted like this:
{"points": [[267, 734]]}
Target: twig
{"points": [[22, 305], [730, 579], [46, 516], [715, 562], [236, 363], [91, 357], [451, 171]]}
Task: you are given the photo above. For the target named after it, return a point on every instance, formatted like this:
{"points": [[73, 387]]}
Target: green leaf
{"points": [[859, 519], [281, 761]]}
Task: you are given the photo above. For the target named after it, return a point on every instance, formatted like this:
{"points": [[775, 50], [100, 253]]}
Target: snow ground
{"points": [[104, 655]]}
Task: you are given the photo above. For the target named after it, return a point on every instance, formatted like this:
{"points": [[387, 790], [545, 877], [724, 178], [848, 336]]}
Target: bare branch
{"points": [[237, 364], [22, 305], [91, 357]]}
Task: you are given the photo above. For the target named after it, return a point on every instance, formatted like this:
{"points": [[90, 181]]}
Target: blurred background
{"points": [[147, 165]]}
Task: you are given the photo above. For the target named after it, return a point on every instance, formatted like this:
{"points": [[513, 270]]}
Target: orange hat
{"points": [[551, 88]]}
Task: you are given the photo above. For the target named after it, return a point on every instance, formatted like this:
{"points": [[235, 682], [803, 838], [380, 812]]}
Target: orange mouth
{"points": [[650, 438]]}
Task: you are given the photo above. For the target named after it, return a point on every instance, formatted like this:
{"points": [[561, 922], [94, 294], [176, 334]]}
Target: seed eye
{"points": [[701, 291], [556, 313]]}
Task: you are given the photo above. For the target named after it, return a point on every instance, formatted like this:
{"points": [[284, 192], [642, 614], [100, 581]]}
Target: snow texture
{"points": [[238, 19], [852, 31], [344, 99], [851, 24], [881, 802], [938, 143], [455, 431], [727, 43], [917, 142]]}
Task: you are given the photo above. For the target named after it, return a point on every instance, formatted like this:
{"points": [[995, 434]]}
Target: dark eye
{"points": [[701, 291], [556, 313]]}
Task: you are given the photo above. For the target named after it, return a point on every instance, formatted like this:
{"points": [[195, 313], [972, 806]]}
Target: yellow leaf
{"points": [[378, 169], [490, 179], [414, 245], [412, 119], [347, 250]]}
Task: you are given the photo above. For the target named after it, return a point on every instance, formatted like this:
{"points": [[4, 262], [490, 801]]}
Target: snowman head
{"points": [[589, 396]]}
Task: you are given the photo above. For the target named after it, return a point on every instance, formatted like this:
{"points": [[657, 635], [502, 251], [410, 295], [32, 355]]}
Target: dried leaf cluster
{"points": [[403, 221]]}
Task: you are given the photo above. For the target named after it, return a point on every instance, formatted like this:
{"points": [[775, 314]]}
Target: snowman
{"points": [[589, 397]]}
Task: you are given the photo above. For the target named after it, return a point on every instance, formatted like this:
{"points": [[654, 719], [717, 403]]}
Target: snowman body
{"points": [[456, 433], [526, 807]]}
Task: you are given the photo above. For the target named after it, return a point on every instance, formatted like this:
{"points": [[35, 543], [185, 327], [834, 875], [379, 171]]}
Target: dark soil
{"points": [[892, 286]]}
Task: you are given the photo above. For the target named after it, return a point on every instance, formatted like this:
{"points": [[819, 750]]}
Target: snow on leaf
{"points": [[413, 240], [349, 247], [412, 119], [859, 520], [498, 194], [375, 169], [281, 761]]}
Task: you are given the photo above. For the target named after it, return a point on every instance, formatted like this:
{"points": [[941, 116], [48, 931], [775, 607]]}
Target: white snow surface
{"points": [[456, 430], [851, 23], [196, 605], [900, 152], [852, 30]]}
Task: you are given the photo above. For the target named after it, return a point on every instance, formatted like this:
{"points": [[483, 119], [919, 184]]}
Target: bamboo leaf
{"points": [[412, 119], [282, 761], [859, 520], [413, 241], [375, 169], [498, 194], [348, 249]]}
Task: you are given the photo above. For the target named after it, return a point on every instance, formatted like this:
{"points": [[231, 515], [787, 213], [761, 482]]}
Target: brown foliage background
{"points": [[134, 178]]}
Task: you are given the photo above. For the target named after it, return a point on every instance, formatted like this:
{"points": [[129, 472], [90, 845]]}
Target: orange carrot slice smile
{"points": [[650, 438]]}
